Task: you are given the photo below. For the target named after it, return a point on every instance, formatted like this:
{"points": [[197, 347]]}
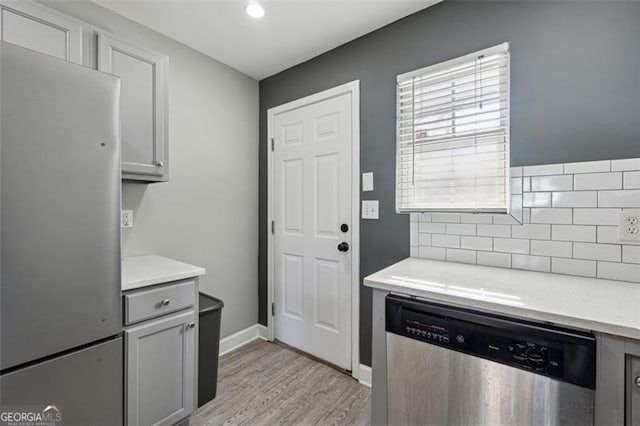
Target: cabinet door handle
{"points": [[165, 302], [637, 381], [191, 325], [160, 163]]}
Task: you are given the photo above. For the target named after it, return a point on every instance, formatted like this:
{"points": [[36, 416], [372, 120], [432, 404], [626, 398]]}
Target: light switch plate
{"points": [[126, 219], [629, 225], [367, 181], [370, 209]]}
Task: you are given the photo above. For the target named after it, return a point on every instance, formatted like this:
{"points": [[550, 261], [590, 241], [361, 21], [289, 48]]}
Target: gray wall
{"points": [[575, 96], [207, 213]]}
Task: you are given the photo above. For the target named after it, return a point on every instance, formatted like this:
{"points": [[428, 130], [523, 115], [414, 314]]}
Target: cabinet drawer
{"points": [[158, 301]]}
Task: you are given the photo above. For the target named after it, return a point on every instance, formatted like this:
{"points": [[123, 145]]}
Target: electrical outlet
{"points": [[126, 219], [629, 225]]}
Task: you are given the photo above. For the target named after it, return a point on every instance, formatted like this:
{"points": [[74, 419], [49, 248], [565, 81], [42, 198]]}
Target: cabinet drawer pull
{"points": [[165, 302]]}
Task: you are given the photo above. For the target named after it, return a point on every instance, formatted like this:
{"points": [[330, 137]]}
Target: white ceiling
{"points": [[291, 32]]}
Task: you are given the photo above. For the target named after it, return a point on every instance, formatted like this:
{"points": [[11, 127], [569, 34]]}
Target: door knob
{"points": [[344, 227], [343, 247]]}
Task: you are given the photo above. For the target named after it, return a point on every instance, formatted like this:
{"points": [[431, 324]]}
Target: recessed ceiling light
{"points": [[254, 10]]}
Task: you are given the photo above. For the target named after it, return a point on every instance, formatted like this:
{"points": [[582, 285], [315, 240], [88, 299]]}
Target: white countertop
{"points": [[142, 271], [605, 306]]}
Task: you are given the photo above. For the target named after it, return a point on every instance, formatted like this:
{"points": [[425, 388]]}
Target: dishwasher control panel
{"points": [[563, 354]]}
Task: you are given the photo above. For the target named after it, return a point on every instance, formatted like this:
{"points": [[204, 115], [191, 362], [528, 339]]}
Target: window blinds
{"points": [[453, 135]]}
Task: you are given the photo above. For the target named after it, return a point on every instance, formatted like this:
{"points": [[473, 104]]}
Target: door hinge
{"points": [[273, 145], [273, 309], [273, 227]]}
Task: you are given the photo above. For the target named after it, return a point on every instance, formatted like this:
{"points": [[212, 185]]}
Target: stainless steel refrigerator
{"points": [[60, 303]]}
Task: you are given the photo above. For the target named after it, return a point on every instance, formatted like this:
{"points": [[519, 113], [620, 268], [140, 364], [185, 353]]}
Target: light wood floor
{"points": [[264, 383]]}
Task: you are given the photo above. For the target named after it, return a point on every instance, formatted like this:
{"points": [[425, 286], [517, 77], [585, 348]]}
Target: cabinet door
{"points": [[39, 28], [143, 106], [160, 370], [633, 391]]}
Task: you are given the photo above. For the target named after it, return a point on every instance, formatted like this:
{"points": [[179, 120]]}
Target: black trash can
{"points": [[208, 347]]}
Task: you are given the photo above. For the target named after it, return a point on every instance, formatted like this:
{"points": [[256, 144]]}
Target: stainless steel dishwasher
{"points": [[453, 366]]}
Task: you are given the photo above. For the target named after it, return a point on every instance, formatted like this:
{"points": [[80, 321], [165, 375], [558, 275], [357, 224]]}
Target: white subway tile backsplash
{"points": [[594, 251], [424, 217], [461, 228], [631, 180], [595, 216], [551, 248], [476, 243], [586, 268], [433, 228], [494, 230], [511, 245], [582, 233], [443, 240], [476, 218], [463, 256], [619, 271], [516, 172], [424, 239], [610, 235], [546, 169], [531, 263], [625, 165], [552, 183], [567, 217], [591, 181], [436, 253], [536, 199], [413, 251], [413, 234], [631, 254], [516, 185], [505, 219], [557, 216], [445, 217], [574, 199], [587, 167], [626, 198], [501, 260], [413, 217], [531, 231]]}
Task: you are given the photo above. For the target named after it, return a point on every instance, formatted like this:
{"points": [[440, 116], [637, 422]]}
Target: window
{"points": [[453, 135]]}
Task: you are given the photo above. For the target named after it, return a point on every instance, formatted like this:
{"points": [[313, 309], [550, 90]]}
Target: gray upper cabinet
{"points": [[36, 27], [143, 76], [160, 376]]}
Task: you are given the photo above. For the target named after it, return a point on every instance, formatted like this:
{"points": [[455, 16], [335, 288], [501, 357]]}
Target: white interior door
{"points": [[312, 189]]}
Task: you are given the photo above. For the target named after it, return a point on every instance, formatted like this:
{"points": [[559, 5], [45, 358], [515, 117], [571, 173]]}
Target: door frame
{"points": [[352, 88]]}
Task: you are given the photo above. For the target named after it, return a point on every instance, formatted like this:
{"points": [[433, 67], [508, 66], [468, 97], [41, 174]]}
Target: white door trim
{"points": [[353, 88]]}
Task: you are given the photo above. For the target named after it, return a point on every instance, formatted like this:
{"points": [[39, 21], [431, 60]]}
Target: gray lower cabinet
{"points": [[160, 370], [633, 390], [143, 77], [39, 28]]}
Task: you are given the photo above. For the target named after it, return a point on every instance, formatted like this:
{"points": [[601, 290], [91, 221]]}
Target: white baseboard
{"points": [[242, 337], [364, 375]]}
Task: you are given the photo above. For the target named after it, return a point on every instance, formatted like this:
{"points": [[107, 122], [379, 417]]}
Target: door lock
{"points": [[343, 247]]}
